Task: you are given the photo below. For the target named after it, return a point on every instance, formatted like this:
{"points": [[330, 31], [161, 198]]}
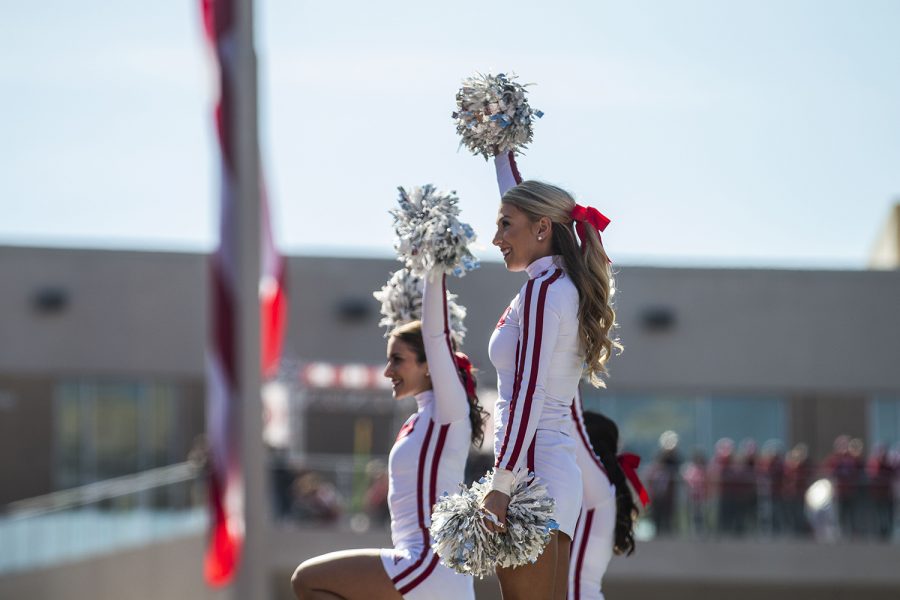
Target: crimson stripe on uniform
{"points": [[419, 484], [583, 438], [515, 168], [531, 455], [520, 367], [535, 363], [435, 461], [442, 437], [446, 318], [585, 534], [415, 582]]}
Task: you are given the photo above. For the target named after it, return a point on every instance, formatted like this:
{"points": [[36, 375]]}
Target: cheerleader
{"points": [[427, 459], [606, 523], [555, 330]]}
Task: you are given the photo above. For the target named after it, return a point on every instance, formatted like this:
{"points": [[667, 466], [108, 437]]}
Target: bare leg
{"points": [[344, 575], [535, 581], [561, 584]]}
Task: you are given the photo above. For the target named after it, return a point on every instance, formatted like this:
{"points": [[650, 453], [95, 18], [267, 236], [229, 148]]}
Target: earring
{"points": [[540, 238]]}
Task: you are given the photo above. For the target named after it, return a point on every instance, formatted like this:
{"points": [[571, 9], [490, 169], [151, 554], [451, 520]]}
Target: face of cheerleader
{"points": [[408, 376], [518, 237]]}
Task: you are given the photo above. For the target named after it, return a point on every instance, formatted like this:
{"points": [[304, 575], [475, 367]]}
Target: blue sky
{"points": [[723, 133]]}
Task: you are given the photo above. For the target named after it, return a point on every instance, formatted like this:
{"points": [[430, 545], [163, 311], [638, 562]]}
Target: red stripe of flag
{"points": [[226, 495]]}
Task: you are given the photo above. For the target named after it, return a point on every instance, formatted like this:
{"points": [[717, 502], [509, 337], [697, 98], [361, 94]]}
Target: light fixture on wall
{"points": [[354, 309], [50, 300], [658, 318]]}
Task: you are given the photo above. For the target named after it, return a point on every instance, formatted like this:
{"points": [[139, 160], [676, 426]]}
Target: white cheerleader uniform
{"points": [[535, 349], [592, 546], [428, 459]]}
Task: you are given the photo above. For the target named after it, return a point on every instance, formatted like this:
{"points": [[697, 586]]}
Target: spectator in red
{"points": [[771, 474], [696, 480], [725, 484], [845, 471]]}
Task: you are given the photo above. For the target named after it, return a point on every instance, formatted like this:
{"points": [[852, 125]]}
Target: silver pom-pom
{"points": [[465, 545], [493, 115], [401, 302], [429, 233]]}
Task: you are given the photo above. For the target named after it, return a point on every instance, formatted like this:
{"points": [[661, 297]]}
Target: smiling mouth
{"points": [[505, 252]]}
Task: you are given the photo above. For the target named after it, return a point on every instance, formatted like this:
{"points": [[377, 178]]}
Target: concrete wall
{"points": [[674, 570], [826, 340], [734, 329]]}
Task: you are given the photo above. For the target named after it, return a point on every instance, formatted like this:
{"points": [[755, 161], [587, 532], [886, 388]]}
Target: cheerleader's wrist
{"points": [[503, 481]]}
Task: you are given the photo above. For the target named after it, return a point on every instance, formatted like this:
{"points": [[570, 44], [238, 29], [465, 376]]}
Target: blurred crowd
{"points": [[745, 490]]}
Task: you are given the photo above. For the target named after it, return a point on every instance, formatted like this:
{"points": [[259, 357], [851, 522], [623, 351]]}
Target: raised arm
{"points": [[450, 399], [540, 315], [596, 486], [507, 171]]}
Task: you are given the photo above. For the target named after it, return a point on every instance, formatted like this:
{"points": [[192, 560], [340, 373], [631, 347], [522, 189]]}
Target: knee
{"points": [[297, 583]]}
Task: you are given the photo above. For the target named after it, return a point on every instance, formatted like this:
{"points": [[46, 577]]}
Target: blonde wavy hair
{"points": [[588, 268]]}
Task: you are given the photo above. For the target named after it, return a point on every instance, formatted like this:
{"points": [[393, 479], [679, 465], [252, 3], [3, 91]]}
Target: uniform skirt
{"points": [[552, 458], [418, 575]]}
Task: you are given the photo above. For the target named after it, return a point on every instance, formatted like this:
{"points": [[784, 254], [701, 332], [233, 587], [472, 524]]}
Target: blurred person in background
{"points": [[860, 509], [662, 483], [314, 499], [882, 472], [696, 481], [747, 501], [375, 500], [845, 469], [281, 481], [798, 475], [427, 459], [723, 478], [770, 473]]}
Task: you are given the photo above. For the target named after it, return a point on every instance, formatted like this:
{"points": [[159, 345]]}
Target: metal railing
{"points": [[102, 517]]}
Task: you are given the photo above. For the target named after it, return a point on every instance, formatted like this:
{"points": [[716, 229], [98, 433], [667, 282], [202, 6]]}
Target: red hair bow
{"points": [[588, 214], [465, 365], [629, 463]]}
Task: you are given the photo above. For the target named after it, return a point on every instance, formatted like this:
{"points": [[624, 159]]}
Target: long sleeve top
{"points": [[535, 350], [429, 456]]}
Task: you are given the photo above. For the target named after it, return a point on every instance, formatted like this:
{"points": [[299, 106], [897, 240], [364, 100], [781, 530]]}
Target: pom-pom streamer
{"points": [[493, 116], [401, 303], [465, 545], [429, 233]]}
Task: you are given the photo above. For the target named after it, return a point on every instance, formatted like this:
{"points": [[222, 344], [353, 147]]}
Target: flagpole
{"points": [[252, 575]]}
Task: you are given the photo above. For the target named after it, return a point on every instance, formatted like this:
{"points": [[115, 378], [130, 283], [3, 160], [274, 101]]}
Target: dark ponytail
{"points": [[477, 414], [604, 437]]}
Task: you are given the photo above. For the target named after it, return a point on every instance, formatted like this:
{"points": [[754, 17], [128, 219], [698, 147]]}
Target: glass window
{"points": [[109, 429], [884, 421], [699, 420]]}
